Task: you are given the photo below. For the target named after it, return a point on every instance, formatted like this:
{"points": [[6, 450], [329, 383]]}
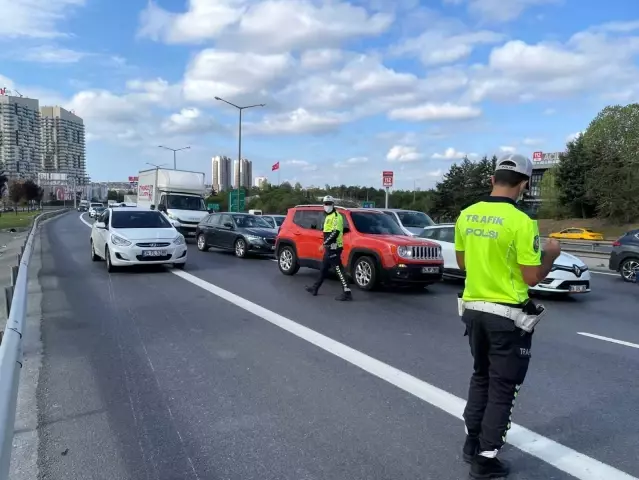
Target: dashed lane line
{"points": [[608, 339]]}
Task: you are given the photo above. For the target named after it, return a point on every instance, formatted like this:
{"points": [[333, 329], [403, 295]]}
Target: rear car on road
{"points": [[411, 222], [624, 257], [125, 236], [376, 250], [568, 275], [577, 234], [241, 233]]}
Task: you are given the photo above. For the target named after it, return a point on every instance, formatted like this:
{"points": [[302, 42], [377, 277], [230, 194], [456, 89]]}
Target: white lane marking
{"points": [[605, 273], [608, 339], [84, 221], [570, 461]]}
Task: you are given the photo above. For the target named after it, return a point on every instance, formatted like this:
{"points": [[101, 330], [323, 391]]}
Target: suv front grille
{"points": [[424, 252], [153, 245]]}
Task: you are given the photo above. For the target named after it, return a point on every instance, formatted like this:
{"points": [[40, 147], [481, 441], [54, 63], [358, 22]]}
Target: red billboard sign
{"points": [[538, 156], [133, 179], [387, 179], [3, 91]]}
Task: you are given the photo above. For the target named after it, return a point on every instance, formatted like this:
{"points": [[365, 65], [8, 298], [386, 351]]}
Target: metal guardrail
{"points": [[599, 247], [11, 344]]}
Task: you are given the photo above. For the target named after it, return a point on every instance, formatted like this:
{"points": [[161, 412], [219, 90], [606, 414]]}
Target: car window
{"points": [[279, 220], [309, 219], [392, 215], [104, 217], [225, 219], [250, 221], [214, 220], [447, 234], [415, 219], [430, 233], [374, 223], [139, 219], [270, 221]]}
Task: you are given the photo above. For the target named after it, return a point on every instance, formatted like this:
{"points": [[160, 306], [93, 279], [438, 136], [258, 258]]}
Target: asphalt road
{"points": [[147, 374]]}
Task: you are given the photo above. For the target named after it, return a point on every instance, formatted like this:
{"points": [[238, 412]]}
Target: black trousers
{"points": [[332, 259], [501, 354]]}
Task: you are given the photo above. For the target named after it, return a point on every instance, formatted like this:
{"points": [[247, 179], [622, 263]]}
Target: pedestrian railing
{"points": [[11, 344]]}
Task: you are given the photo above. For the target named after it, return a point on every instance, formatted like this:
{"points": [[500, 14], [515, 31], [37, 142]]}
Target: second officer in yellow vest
{"points": [[333, 245]]}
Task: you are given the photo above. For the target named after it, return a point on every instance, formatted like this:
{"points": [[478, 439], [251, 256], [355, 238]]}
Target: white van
{"points": [[255, 212]]}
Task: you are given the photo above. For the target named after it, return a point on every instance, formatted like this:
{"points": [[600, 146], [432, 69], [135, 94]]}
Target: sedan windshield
{"points": [[374, 223], [141, 219], [250, 221], [415, 219]]}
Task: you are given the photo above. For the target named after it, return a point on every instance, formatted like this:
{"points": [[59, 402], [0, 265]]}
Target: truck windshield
{"points": [[185, 202], [375, 223], [415, 219]]}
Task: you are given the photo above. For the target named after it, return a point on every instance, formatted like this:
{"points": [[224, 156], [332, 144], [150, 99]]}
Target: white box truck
{"points": [[177, 193]]}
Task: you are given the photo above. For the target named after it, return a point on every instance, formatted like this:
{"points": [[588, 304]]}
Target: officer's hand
{"points": [[321, 247], [552, 248]]}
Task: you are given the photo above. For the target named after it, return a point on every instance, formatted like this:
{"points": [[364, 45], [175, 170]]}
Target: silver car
{"points": [[411, 222]]}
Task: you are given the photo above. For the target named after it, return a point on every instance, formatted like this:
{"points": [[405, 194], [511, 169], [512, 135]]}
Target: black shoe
{"points": [[486, 468], [312, 290], [471, 448], [344, 297]]}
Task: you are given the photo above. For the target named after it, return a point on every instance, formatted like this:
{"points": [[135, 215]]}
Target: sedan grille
{"points": [[153, 259], [153, 245], [426, 252]]}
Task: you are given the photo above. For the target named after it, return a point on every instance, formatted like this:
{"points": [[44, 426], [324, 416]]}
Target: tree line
{"points": [[20, 192]]}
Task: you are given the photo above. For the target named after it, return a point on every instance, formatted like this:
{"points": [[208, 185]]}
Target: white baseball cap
{"points": [[515, 163]]}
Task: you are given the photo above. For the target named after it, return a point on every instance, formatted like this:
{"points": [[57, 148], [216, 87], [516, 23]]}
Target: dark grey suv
{"points": [[624, 257]]}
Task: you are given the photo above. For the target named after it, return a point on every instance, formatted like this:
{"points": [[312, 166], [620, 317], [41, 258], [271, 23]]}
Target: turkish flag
{"points": [[276, 166]]}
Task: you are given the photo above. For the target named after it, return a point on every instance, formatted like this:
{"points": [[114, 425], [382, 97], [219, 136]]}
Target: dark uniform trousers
{"points": [[332, 259], [501, 354]]}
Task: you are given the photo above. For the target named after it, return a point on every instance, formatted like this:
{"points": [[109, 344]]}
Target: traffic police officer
{"points": [[333, 245], [498, 246]]}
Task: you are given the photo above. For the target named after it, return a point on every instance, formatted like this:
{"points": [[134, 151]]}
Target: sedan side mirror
{"points": [[100, 225]]}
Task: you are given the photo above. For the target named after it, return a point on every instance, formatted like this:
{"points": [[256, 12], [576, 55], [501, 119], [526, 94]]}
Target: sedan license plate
{"points": [[154, 253], [430, 269], [577, 288], [272, 247]]}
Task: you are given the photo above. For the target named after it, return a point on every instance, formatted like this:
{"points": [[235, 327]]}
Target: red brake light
{"points": [[616, 243]]}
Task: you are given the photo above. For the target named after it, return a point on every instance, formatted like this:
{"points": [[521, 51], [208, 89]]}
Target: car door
{"points": [[224, 234], [447, 241], [348, 242], [209, 228], [315, 235], [306, 235], [103, 233]]}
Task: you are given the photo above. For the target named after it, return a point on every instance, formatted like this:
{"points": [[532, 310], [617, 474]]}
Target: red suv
{"points": [[376, 250]]}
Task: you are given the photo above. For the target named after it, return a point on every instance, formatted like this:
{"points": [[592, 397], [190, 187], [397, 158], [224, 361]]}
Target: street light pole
{"points": [[174, 150], [239, 143]]}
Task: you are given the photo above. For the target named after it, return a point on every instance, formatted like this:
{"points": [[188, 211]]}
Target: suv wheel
{"points": [[629, 269], [365, 273], [240, 248], [287, 261]]}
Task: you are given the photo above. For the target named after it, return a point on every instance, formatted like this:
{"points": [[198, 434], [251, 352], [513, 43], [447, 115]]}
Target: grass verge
{"points": [[17, 220]]}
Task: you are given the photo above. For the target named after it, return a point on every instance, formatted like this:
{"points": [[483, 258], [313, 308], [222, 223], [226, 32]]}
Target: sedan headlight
{"points": [[405, 252], [119, 241], [253, 238], [179, 240]]}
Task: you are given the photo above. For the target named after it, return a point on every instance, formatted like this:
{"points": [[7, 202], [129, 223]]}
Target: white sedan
{"points": [[126, 236], [568, 275]]}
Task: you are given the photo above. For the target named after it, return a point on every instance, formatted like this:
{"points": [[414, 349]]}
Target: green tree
{"points": [[550, 205], [16, 193], [572, 176]]}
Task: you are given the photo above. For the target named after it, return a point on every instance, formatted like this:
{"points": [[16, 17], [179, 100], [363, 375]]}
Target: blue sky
{"points": [[351, 88]]}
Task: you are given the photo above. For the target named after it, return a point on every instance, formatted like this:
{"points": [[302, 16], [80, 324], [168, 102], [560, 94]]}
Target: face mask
{"points": [[328, 208], [522, 192]]}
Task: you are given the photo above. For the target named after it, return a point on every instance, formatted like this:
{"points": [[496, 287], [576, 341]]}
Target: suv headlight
{"points": [[179, 240], [405, 252], [253, 238], [119, 241]]}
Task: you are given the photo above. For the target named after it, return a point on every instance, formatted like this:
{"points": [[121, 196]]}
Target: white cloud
{"points": [[352, 162], [500, 11], [259, 24], [301, 164], [452, 154], [231, 75], [321, 58], [298, 121], [550, 111], [51, 54], [532, 142], [431, 111], [508, 149], [35, 18], [573, 136], [403, 153], [190, 121]]}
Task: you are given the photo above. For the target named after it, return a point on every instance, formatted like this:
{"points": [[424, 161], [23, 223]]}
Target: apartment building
{"points": [[63, 143], [20, 137], [221, 173], [243, 173], [260, 182]]}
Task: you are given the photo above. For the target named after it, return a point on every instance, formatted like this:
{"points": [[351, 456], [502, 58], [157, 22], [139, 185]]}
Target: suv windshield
{"points": [[141, 219], [250, 221], [415, 219], [374, 223], [185, 202]]}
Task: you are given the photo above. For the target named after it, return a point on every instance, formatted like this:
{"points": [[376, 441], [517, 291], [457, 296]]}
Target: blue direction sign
{"points": [[368, 204]]}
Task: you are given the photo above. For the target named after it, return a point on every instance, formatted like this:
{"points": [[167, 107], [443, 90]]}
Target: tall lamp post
{"points": [[239, 143], [174, 150]]}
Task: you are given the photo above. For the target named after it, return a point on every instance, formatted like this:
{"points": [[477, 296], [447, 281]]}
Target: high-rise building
{"points": [[260, 182], [221, 173], [63, 143], [20, 137], [243, 173]]}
